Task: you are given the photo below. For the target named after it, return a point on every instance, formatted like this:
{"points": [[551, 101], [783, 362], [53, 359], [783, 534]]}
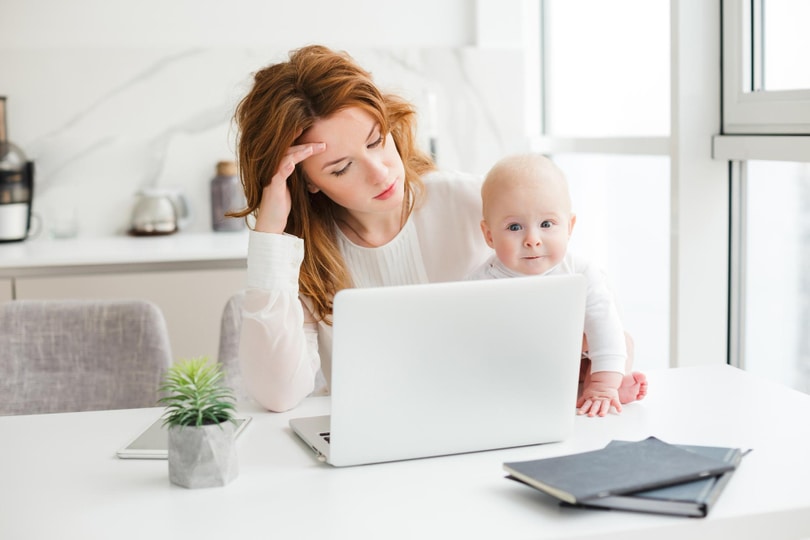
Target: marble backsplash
{"points": [[102, 124]]}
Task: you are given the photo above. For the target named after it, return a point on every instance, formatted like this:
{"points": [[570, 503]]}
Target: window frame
{"points": [[747, 108], [757, 125]]}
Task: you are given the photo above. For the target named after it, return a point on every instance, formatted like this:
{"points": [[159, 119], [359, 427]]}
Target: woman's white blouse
{"points": [[284, 354]]}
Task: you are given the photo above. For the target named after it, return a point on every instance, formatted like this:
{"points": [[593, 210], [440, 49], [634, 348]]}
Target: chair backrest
{"points": [[77, 355], [229, 332]]}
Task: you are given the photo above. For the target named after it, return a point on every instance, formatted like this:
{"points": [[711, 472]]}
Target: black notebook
{"points": [[617, 469], [692, 499]]}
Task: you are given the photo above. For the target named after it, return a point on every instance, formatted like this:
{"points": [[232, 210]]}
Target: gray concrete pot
{"points": [[204, 456]]}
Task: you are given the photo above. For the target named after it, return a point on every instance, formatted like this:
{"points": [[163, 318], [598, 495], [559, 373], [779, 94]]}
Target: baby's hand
{"points": [[596, 400]]}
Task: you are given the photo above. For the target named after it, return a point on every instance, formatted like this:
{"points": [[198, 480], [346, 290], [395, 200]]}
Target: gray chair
{"points": [[230, 328], [78, 355]]}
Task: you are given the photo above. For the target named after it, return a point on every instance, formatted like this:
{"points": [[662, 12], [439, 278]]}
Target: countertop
{"points": [[43, 256]]}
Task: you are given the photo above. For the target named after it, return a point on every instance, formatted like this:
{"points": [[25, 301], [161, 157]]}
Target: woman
{"points": [[342, 198]]}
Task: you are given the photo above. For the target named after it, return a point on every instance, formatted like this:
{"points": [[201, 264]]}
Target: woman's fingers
{"points": [[298, 153], [274, 208], [314, 148], [295, 155]]}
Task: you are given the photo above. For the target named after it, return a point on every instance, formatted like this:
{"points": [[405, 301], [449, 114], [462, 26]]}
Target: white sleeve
{"points": [[607, 346], [278, 349]]}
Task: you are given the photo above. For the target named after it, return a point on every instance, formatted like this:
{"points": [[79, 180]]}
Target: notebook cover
{"points": [[693, 499], [616, 470]]}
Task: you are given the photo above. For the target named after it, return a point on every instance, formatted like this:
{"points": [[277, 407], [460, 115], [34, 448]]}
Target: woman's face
{"points": [[360, 169]]}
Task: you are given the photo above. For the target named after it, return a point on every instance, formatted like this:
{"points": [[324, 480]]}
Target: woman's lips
{"points": [[389, 191]]}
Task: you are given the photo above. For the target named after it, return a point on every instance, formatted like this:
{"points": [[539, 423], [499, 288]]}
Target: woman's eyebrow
{"points": [[333, 162], [374, 128], [336, 161]]}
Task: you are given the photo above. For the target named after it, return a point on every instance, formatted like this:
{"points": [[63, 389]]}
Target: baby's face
{"points": [[528, 224]]}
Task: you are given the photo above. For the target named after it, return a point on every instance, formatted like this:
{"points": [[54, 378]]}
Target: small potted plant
{"points": [[201, 424]]}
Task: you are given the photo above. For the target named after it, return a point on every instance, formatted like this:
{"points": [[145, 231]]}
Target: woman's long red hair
{"points": [[285, 100]]}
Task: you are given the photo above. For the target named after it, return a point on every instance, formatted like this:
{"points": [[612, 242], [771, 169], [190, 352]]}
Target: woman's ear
{"points": [[312, 188]]}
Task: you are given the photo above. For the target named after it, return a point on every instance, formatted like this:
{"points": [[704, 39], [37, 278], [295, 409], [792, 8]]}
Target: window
{"points": [[605, 76], [605, 108], [766, 138], [783, 35], [777, 291], [765, 76], [622, 207]]}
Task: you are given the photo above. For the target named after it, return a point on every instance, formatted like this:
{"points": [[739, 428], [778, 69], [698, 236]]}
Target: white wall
{"points": [[109, 99], [240, 23]]}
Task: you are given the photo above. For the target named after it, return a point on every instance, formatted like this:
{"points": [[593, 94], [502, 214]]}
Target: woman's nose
{"points": [[377, 171]]}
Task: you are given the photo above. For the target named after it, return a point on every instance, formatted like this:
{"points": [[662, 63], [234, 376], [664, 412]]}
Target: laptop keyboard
{"points": [[325, 436]]}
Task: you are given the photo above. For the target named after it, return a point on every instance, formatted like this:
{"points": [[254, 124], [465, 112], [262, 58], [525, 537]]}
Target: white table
{"points": [[59, 477]]}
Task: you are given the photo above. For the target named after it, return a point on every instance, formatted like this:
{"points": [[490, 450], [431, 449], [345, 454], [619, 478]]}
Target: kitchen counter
{"points": [[189, 276], [180, 251]]}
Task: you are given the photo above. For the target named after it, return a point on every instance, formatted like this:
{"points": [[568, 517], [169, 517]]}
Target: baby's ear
{"points": [[571, 224], [487, 233]]}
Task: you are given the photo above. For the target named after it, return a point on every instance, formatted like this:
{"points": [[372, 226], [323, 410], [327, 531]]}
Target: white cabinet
{"points": [[6, 289], [191, 300]]}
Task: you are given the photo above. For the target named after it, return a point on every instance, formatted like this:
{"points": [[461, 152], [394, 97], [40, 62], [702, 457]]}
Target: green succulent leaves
{"points": [[195, 394]]}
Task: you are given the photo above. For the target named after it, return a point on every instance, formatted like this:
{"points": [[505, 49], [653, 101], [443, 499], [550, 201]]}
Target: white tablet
{"points": [[153, 442]]}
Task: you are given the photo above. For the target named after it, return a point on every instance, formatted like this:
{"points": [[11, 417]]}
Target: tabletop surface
{"points": [[60, 478]]}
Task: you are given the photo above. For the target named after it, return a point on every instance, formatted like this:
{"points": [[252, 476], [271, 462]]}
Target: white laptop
{"points": [[446, 368]]}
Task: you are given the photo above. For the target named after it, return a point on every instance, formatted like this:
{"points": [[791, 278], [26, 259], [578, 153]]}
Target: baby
{"points": [[527, 220]]}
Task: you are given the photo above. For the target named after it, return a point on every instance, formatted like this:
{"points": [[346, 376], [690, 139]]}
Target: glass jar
{"points": [[227, 195]]}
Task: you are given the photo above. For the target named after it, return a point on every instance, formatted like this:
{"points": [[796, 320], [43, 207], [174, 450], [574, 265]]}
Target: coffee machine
{"points": [[16, 186], [16, 196]]}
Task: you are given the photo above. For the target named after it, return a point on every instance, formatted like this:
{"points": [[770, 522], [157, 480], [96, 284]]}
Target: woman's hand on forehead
{"points": [[274, 209]]}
